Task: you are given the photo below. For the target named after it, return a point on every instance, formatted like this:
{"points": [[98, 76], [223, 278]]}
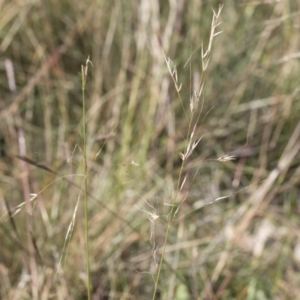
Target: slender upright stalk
{"points": [[84, 70], [173, 203], [156, 281], [191, 142]]}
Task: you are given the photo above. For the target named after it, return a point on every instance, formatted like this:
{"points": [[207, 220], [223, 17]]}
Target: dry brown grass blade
{"points": [[54, 58], [34, 80], [259, 197]]}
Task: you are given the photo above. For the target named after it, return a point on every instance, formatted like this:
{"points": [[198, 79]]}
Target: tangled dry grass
{"points": [[189, 132]]}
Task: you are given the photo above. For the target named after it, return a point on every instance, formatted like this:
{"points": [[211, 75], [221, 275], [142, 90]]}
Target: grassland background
{"points": [[245, 246]]}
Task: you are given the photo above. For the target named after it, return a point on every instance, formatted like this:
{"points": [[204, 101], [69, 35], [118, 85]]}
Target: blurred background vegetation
{"points": [[237, 235]]}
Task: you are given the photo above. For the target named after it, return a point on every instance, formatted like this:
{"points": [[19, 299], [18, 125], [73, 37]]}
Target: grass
{"points": [[84, 71], [235, 231]]}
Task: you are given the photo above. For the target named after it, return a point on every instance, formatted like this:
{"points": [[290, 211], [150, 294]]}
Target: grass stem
{"points": [[84, 70]]}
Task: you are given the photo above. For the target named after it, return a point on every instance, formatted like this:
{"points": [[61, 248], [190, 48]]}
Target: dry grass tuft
{"points": [[183, 124]]}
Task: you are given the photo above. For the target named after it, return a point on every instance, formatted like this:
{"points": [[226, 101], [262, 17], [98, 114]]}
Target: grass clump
{"points": [[219, 228]]}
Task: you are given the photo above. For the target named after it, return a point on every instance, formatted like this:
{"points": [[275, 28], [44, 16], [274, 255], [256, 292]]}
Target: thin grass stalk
{"points": [[190, 143], [84, 70], [173, 202], [171, 215]]}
